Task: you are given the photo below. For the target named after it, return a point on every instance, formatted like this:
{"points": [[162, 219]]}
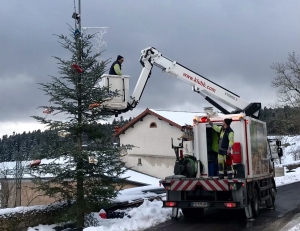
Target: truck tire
{"points": [[255, 203], [192, 212]]}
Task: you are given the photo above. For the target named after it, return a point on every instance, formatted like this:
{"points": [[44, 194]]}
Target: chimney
{"points": [[208, 110]]}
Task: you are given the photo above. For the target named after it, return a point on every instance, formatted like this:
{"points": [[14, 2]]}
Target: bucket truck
{"points": [[252, 160]]}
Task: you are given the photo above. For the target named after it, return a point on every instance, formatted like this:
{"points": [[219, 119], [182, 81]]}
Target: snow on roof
{"points": [[23, 209], [179, 117], [139, 192], [141, 178], [132, 175]]}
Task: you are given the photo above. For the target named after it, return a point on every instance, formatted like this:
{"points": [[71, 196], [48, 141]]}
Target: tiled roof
{"points": [[141, 116], [180, 117]]}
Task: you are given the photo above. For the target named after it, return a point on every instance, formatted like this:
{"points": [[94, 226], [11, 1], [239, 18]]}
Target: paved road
{"points": [[287, 205]]}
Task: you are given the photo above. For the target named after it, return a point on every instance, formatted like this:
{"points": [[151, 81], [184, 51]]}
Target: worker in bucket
{"points": [[226, 141], [116, 67]]}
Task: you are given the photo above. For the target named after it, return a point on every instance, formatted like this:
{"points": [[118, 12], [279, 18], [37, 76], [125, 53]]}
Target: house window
{"points": [[153, 125], [139, 161]]}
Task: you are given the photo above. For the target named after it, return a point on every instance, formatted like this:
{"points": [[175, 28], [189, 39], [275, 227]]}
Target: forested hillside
{"points": [[38, 144], [281, 121]]}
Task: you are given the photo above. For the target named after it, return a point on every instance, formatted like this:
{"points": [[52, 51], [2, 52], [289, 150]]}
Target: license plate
{"points": [[200, 204]]}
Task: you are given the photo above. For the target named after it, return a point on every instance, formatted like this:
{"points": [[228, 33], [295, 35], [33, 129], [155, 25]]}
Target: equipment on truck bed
{"points": [[185, 165]]}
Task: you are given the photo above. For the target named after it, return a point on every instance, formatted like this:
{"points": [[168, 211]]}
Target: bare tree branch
{"points": [[287, 81]]}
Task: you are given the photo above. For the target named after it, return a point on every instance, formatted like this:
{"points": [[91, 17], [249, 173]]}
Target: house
{"points": [[29, 195], [150, 133]]}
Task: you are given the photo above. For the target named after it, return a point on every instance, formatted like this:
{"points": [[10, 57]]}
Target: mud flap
{"points": [[248, 213], [174, 214]]}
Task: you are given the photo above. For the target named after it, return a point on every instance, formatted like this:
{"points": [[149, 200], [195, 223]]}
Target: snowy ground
{"points": [[152, 213], [146, 215]]}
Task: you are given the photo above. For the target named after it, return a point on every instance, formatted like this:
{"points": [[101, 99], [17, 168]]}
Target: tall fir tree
{"points": [[86, 168]]}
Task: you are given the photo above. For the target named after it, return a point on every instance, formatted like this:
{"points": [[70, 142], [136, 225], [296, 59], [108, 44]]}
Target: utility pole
{"points": [[79, 177], [79, 52], [79, 12], [79, 161]]}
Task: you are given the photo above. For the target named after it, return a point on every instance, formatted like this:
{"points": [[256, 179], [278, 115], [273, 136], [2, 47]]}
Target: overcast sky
{"points": [[231, 42]]}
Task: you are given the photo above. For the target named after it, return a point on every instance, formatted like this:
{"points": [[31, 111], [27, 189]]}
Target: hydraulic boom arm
{"points": [[208, 89]]}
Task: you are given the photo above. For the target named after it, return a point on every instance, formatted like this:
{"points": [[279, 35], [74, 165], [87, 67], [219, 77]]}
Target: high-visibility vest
{"points": [[215, 142]]}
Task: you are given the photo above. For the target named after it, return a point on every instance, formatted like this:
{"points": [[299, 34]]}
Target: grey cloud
{"points": [[233, 43]]}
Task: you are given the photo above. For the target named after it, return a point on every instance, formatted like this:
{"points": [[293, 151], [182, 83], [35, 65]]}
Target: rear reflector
{"points": [[230, 205], [168, 188], [170, 204], [232, 186], [203, 119]]}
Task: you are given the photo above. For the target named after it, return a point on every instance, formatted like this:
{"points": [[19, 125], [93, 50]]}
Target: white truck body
{"points": [[249, 132]]}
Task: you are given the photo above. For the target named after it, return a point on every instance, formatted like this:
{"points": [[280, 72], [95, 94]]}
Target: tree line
{"points": [[38, 144], [43, 144], [281, 121]]}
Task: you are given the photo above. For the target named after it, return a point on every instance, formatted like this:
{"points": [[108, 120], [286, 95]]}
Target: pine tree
{"points": [[90, 175]]}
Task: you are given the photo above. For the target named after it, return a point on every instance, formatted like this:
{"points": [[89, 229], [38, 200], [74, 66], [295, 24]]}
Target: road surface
{"points": [[287, 207]]}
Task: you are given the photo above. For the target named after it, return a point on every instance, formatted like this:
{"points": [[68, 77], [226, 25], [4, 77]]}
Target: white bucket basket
{"points": [[119, 83]]}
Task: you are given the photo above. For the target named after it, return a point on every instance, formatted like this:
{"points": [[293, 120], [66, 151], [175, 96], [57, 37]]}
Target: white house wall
{"points": [[155, 166], [153, 146]]}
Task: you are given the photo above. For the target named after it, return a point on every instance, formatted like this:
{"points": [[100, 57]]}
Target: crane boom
{"points": [[209, 90]]}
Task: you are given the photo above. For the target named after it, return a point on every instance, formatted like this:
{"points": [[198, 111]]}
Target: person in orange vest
{"points": [[226, 140]]}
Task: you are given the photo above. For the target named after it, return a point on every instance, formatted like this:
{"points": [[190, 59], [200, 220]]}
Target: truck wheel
{"points": [[192, 213], [174, 214], [255, 203]]}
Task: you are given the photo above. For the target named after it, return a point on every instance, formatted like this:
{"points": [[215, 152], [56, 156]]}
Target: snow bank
{"points": [[288, 178], [145, 216]]}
